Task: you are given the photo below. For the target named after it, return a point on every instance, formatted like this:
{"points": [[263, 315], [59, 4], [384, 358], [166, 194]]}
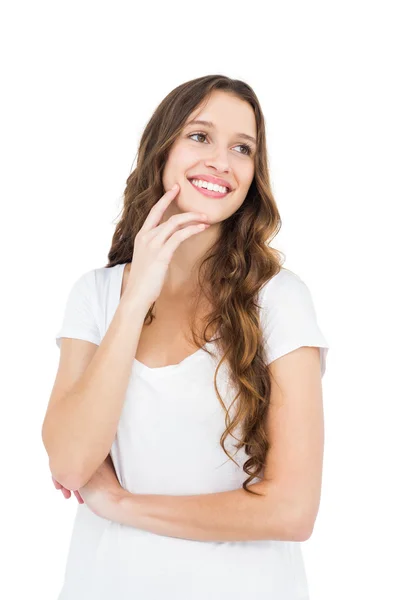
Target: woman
{"points": [[216, 440]]}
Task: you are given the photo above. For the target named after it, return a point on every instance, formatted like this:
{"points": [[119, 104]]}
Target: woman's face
{"points": [[218, 150]]}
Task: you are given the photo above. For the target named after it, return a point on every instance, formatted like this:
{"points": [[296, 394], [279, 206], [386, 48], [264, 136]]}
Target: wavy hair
{"points": [[235, 268]]}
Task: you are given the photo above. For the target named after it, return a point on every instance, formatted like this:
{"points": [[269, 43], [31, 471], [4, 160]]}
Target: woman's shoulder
{"points": [[284, 282], [103, 275], [93, 283]]}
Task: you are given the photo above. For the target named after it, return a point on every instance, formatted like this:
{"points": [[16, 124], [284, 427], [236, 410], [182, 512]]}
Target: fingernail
{"points": [[175, 187]]}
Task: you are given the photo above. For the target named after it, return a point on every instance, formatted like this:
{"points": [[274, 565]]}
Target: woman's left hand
{"points": [[103, 492]]}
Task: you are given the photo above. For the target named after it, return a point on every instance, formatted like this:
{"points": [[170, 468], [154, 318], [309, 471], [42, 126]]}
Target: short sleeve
{"points": [[80, 318], [288, 317]]}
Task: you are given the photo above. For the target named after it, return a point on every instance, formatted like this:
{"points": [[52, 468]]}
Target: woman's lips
{"points": [[207, 192]]}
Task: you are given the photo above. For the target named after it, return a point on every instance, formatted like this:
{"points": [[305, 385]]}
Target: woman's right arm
{"points": [[80, 425], [86, 403]]}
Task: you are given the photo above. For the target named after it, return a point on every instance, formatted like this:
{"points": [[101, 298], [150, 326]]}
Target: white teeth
{"points": [[210, 186]]}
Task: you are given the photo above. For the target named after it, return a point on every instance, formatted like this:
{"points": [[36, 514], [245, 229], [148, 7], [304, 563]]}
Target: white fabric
{"points": [[167, 442]]}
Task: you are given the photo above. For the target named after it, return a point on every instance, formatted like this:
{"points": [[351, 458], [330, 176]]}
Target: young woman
{"points": [[186, 414]]}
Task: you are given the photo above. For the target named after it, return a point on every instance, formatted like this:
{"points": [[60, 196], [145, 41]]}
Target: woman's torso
{"points": [[168, 442]]}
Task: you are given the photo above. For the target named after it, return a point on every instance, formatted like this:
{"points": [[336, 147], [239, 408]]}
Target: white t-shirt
{"points": [[167, 442]]}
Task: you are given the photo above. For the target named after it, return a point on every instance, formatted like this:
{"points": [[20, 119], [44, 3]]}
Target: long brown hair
{"points": [[235, 268]]}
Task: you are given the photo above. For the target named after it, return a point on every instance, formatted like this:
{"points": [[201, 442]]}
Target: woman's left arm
{"points": [[223, 516], [234, 515]]}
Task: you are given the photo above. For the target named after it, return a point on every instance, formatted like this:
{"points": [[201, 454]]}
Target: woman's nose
{"points": [[219, 160]]}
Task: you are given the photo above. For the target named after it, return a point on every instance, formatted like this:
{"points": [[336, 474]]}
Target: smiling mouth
{"points": [[207, 192]]}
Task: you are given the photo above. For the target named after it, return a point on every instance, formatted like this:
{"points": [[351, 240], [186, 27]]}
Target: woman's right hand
{"points": [[67, 493], [155, 245]]}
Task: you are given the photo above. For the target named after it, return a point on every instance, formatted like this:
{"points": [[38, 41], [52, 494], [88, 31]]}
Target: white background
{"points": [[80, 80]]}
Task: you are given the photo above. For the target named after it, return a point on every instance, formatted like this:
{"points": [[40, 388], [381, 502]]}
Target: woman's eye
{"points": [[247, 148], [199, 134]]}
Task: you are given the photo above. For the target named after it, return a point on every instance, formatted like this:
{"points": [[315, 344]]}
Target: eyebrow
{"points": [[211, 125]]}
